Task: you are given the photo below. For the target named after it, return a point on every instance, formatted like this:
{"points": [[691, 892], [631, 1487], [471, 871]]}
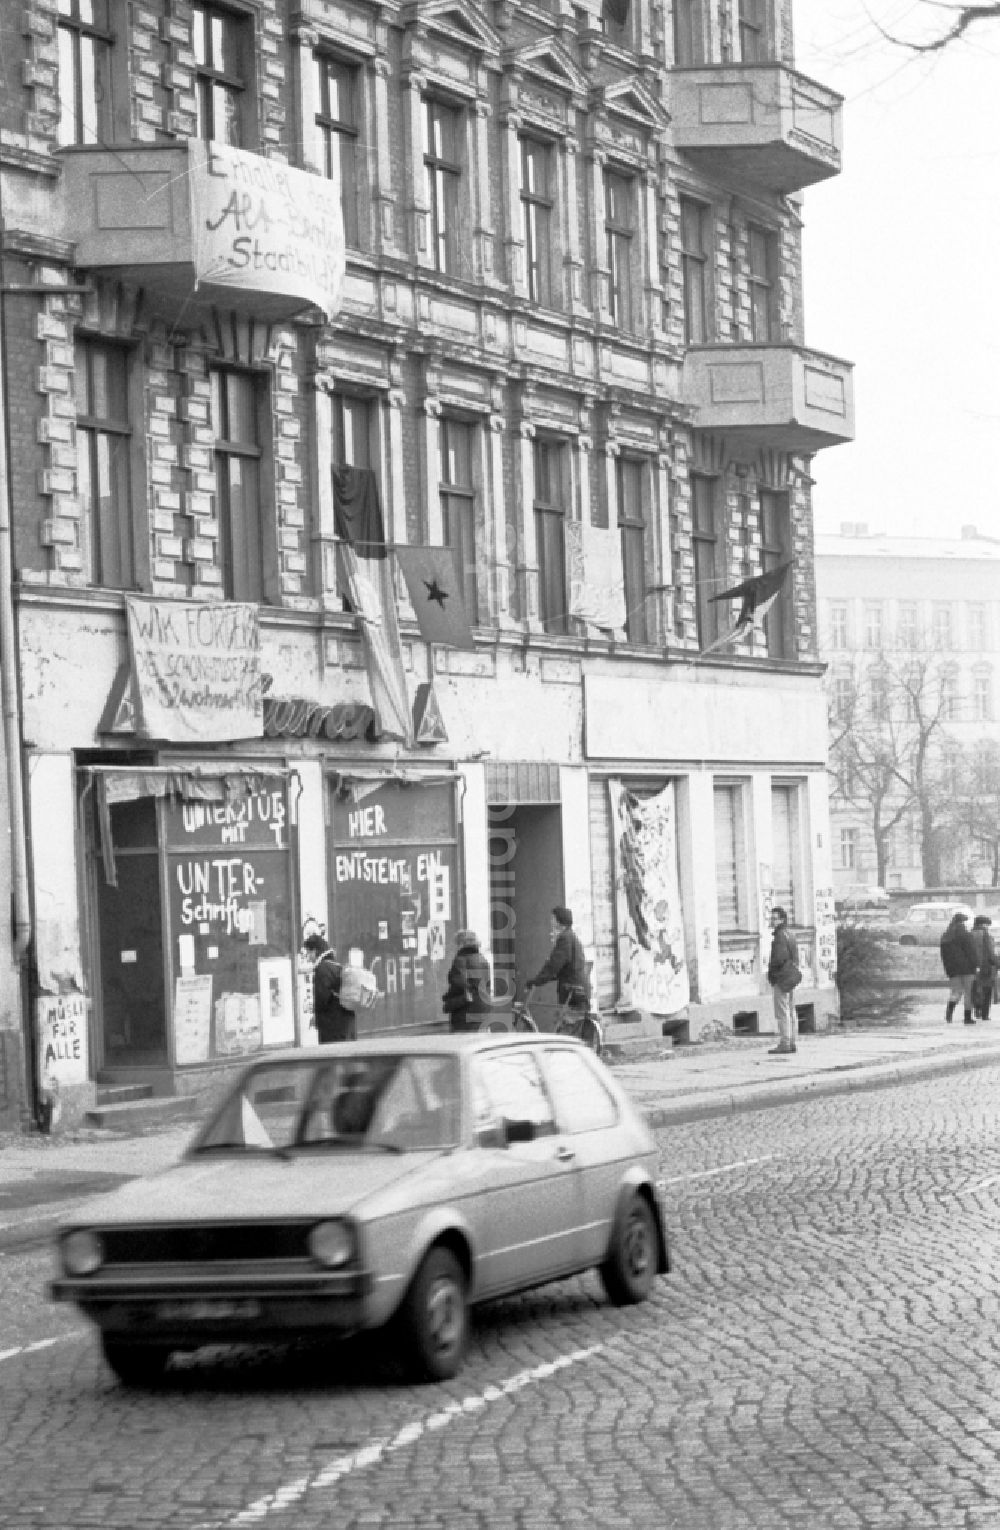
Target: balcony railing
{"points": [[757, 124], [779, 396], [199, 225]]}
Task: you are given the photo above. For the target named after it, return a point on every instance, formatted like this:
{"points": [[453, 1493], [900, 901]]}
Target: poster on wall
{"points": [[192, 1018], [277, 1006], [237, 1024], [652, 970], [195, 669]]}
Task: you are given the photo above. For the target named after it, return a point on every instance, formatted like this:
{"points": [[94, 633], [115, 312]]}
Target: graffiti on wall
{"points": [[652, 970]]}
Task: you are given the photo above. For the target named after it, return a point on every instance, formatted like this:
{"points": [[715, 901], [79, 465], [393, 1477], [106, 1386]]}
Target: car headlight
{"points": [[82, 1252], [331, 1244]]}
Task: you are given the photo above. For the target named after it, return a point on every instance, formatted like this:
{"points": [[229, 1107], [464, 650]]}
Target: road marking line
{"points": [[31, 1349], [726, 1168], [370, 1454]]}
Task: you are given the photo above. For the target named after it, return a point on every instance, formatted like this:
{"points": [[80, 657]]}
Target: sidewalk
{"points": [[688, 1083]]}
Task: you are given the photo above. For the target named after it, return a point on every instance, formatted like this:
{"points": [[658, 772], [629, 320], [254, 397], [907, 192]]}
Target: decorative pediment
{"points": [[454, 19], [549, 61], [632, 103]]}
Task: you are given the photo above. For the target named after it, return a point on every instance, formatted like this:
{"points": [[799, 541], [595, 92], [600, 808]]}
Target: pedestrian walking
{"points": [[986, 951], [333, 1021], [961, 964], [784, 975], [468, 991], [566, 963]]}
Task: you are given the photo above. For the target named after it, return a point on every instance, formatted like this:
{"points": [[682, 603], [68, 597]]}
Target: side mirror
{"points": [[518, 1131]]}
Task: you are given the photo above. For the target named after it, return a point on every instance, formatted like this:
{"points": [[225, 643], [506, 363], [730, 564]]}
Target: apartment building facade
{"points": [[564, 337], [908, 625]]}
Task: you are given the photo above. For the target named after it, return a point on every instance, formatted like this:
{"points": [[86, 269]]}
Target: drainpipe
{"points": [[10, 708]]}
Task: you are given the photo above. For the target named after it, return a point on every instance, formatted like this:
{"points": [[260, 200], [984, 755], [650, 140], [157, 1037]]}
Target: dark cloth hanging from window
{"points": [[616, 11], [357, 511]]}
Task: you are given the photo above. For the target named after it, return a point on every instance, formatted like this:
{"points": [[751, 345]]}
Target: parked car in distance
{"points": [[924, 923], [389, 1181], [861, 895]]}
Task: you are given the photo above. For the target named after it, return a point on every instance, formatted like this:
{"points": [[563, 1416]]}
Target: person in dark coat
{"points": [[982, 993], [333, 1021], [961, 964], [468, 991], [566, 964], [782, 967]]}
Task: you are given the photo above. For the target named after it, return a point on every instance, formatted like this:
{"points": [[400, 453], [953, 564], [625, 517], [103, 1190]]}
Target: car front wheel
{"points": [[628, 1272], [135, 1365], [434, 1318]]}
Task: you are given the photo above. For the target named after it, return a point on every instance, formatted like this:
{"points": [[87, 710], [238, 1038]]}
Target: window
{"points": [[616, 21], [878, 696], [695, 271], [787, 849], [536, 218], [705, 538], [458, 506], [873, 628], [512, 1083], [754, 46], [582, 1100], [550, 537], [908, 625], [775, 550], [337, 132], [443, 180], [689, 34], [352, 425], [943, 634], [949, 696], [632, 521], [235, 421], [838, 626], [618, 230], [85, 103], [103, 448], [843, 697], [982, 696], [849, 849], [763, 281], [978, 627], [731, 858], [222, 55]]}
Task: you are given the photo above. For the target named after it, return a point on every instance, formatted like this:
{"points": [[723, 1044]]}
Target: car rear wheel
{"points": [[434, 1318], [135, 1365], [628, 1272]]}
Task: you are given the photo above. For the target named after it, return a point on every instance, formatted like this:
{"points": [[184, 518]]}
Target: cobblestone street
{"points": [[823, 1355]]}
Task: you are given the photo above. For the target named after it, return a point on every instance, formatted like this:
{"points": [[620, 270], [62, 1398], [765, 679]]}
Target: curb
{"points": [[706, 1106]]}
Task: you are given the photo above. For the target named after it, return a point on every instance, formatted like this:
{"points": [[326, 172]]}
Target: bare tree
{"points": [[948, 23], [887, 721], [975, 805]]}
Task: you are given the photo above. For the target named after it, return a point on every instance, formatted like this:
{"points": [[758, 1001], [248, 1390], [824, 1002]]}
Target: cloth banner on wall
{"points": [[261, 226], [195, 670], [368, 573], [652, 969], [594, 575]]}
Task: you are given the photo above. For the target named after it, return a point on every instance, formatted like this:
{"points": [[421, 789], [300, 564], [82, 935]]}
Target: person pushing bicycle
{"points": [[565, 965]]}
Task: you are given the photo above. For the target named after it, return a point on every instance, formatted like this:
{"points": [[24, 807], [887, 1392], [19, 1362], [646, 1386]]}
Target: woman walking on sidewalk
{"points": [[961, 964], [784, 976], [982, 992]]}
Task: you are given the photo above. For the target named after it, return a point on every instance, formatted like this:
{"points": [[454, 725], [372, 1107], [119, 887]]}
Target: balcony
{"points": [[201, 226], [778, 396], [757, 124]]}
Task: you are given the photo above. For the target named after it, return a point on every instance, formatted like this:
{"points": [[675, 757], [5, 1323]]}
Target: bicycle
{"points": [[583, 1024]]}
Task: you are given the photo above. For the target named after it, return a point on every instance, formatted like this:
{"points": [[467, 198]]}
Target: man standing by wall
{"points": [[784, 976]]}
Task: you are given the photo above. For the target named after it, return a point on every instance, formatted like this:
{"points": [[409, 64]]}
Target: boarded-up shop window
{"points": [[731, 879]]}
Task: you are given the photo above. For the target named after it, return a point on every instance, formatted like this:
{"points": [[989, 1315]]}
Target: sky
{"points": [[902, 269]]}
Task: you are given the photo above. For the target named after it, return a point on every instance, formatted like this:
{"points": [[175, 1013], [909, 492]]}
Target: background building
{"points": [[569, 344], [910, 629]]}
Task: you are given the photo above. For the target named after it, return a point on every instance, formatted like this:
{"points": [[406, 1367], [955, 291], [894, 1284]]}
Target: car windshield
{"points": [[378, 1103]]}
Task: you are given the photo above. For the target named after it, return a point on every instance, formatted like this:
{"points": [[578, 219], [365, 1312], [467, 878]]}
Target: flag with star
{"points": [[435, 590]]}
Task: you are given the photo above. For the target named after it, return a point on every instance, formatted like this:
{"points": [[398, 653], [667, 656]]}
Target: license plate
{"points": [[197, 1310]]}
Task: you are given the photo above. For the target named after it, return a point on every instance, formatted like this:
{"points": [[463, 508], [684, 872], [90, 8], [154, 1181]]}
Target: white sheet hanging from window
{"points": [[652, 968], [594, 575]]}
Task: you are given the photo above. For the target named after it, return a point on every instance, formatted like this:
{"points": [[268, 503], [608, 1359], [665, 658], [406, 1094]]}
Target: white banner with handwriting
{"points": [[196, 669]]}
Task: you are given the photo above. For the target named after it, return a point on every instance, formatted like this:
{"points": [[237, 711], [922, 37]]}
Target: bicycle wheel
{"points": [[591, 1034], [522, 1021]]}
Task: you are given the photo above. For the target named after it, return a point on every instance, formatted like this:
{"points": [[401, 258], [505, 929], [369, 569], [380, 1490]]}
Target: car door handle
{"points": [[564, 1153]]}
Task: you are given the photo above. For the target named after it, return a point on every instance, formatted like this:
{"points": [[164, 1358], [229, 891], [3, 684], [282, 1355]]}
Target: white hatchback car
{"points": [[925, 923]]}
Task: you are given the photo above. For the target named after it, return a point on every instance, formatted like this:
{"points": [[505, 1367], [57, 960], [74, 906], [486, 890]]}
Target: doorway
{"points": [[129, 982], [526, 881]]}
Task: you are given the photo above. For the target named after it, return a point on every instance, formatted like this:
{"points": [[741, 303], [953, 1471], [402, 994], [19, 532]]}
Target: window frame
{"points": [[238, 89], [790, 893], [91, 430], [690, 42], [78, 34], [776, 549], [982, 695], [849, 842], [978, 626], [250, 582], [839, 615], [537, 219], [550, 511], [633, 523], [706, 549], [696, 272], [442, 182], [738, 861], [754, 32], [874, 628], [336, 133], [458, 501], [763, 284], [619, 233], [907, 624]]}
